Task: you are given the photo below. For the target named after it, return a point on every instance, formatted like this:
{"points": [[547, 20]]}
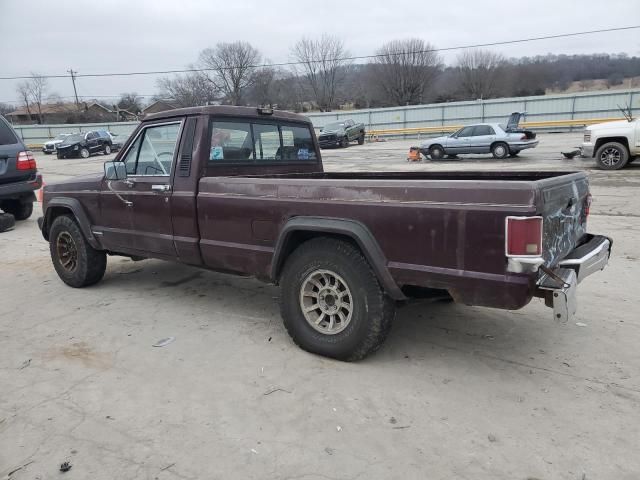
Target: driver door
{"points": [[149, 187]]}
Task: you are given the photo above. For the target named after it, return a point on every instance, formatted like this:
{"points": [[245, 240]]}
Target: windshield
{"points": [[62, 136], [334, 126], [76, 137]]}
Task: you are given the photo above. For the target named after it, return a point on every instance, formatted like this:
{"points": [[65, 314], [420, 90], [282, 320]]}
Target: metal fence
{"points": [[587, 105]]}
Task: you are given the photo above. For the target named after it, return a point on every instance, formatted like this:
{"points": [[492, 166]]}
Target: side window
{"points": [[266, 140], [6, 134], [297, 143], [153, 151], [466, 132], [230, 141], [483, 130]]}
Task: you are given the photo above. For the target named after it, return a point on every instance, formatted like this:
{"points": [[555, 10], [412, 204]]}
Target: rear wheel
{"points": [[361, 139], [612, 156], [344, 143], [84, 152], [331, 301], [20, 209], [77, 263], [500, 150], [436, 152]]}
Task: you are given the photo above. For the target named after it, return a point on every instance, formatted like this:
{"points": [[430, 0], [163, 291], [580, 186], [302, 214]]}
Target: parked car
{"points": [[117, 140], [612, 144], [50, 146], [341, 134], [501, 141], [19, 176], [84, 144], [242, 190]]}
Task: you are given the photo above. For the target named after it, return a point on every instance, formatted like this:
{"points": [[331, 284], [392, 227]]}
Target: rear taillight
{"points": [[523, 137], [523, 236], [26, 161]]}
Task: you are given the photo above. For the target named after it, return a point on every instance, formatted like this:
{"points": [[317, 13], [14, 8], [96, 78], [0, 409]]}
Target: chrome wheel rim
{"points": [[67, 251], [107, 149], [326, 302], [500, 151], [84, 153], [610, 157]]}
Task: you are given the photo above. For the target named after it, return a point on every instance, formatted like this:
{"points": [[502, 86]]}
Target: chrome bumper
{"points": [[559, 286]]}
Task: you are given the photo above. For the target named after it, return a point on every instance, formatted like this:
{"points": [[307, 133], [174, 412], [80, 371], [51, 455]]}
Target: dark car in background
{"points": [[83, 145], [341, 134], [19, 175]]}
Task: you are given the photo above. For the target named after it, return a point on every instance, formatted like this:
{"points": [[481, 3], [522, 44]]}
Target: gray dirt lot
{"points": [[456, 391]]}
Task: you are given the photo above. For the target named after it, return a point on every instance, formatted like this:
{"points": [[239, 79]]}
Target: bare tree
{"points": [[262, 91], [131, 102], [322, 67], [188, 90], [38, 86], [232, 68], [405, 70], [479, 72], [6, 108], [24, 93]]}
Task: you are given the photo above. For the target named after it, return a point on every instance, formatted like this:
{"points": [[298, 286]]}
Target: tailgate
{"points": [[564, 208]]}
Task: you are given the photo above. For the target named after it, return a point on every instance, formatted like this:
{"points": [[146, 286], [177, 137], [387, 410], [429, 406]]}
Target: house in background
{"points": [[158, 106], [57, 113]]}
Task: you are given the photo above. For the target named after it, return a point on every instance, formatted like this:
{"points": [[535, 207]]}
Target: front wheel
{"points": [[331, 302], [612, 156], [107, 149], [436, 152], [361, 139], [500, 150], [344, 143], [77, 263], [84, 152]]}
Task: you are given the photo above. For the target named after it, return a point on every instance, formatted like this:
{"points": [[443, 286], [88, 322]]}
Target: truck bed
{"points": [[438, 230]]}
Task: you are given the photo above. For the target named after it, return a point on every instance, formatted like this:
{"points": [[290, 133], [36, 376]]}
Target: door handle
{"points": [[160, 188], [129, 183]]}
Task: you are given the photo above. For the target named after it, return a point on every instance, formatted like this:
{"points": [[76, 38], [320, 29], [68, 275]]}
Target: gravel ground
{"points": [[455, 392]]}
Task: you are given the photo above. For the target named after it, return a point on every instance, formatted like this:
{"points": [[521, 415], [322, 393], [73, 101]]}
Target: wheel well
{"points": [[497, 142], [601, 141], [436, 145], [298, 237], [52, 214]]}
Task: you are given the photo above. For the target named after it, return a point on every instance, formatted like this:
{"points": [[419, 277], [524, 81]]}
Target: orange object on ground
{"points": [[40, 193], [414, 155]]}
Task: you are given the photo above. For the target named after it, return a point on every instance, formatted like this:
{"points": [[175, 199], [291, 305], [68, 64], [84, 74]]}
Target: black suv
{"points": [[19, 176], [84, 144]]}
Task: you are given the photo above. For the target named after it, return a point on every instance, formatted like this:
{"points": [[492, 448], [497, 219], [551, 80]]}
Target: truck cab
{"points": [[612, 144]]}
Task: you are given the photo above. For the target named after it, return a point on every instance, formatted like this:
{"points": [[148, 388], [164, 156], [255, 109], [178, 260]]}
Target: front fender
{"points": [[75, 207]]}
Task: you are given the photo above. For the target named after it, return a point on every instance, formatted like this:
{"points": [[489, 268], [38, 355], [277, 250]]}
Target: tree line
{"points": [[323, 76]]}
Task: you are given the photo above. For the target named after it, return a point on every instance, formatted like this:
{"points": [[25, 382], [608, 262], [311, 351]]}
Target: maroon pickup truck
{"points": [[242, 190]]}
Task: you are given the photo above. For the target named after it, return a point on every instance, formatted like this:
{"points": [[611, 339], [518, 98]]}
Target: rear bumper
{"points": [[20, 189], [523, 145], [559, 286]]}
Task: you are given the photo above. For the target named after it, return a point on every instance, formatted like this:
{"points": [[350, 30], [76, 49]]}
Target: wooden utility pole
{"points": [[73, 80]]}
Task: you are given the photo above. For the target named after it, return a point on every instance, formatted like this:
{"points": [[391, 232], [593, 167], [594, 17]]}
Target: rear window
{"points": [[7, 137], [257, 142]]}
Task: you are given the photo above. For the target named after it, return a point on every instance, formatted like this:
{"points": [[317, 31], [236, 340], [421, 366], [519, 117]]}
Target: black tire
{"points": [[361, 139], [20, 209], [60, 156], [612, 156], [82, 265], [436, 152], [344, 143], [500, 150], [107, 149], [84, 152], [372, 311], [7, 222]]}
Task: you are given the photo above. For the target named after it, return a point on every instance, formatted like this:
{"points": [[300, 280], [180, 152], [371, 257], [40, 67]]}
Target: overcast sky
{"points": [[49, 37]]}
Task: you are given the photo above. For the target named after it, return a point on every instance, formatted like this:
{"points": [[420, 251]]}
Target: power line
{"points": [[351, 58]]}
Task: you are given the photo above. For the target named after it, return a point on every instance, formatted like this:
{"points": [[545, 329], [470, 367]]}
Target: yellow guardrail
{"points": [[580, 122]]}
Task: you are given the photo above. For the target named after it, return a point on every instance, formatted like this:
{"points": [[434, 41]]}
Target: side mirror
{"points": [[115, 170]]}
